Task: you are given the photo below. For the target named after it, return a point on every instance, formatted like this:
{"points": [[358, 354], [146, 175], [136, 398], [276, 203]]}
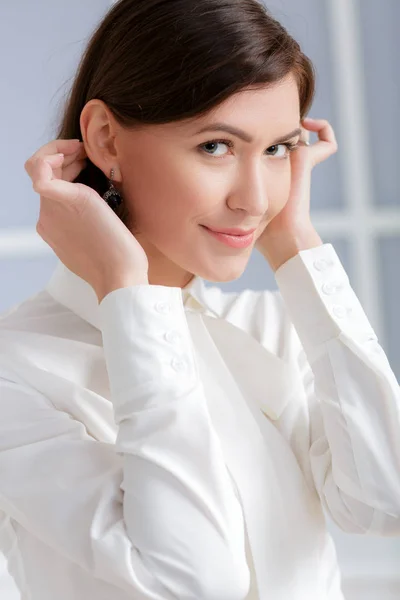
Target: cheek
{"points": [[175, 204], [280, 190], [168, 214], [285, 189], [153, 199]]}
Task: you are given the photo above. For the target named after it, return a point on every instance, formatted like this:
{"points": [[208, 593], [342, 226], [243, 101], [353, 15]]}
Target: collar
{"points": [[75, 293]]}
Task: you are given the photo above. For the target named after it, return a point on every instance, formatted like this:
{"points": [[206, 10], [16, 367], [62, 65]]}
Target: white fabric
{"points": [[182, 444]]}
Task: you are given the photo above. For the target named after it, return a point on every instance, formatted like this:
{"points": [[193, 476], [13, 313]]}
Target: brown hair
{"points": [[158, 61]]}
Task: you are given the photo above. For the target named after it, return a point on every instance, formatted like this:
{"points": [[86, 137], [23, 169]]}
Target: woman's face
{"points": [[176, 180]]}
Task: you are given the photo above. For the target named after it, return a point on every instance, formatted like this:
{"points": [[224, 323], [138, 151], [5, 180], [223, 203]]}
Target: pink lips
{"points": [[234, 241], [233, 231]]}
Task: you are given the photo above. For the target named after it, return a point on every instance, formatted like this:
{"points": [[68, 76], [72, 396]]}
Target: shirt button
{"points": [[172, 336], [339, 311], [163, 307], [329, 288], [178, 365], [320, 264]]}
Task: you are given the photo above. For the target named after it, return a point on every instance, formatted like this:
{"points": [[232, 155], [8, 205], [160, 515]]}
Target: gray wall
{"points": [[40, 45]]}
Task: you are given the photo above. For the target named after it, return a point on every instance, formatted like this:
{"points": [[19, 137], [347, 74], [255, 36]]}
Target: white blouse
{"points": [[184, 444]]}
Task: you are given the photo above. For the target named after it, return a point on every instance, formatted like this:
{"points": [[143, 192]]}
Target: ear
{"points": [[98, 128]]}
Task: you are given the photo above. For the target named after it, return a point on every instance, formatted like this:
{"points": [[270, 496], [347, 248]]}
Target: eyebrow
{"points": [[242, 134]]}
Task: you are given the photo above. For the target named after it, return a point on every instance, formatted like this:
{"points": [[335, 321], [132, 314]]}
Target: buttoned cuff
{"points": [[147, 346], [320, 300]]}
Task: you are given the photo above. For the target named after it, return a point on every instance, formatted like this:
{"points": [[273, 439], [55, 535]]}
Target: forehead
{"points": [[269, 111], [281, 98], [268, 108]]}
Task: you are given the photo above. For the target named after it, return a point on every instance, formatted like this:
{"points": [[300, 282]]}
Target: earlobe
{"points": [[97, 129]]}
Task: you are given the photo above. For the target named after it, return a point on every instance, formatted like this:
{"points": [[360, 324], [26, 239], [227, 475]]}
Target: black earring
{"points": [[112, 195]]}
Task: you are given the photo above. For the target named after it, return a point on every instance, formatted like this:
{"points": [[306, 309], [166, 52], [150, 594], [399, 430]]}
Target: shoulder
{"points": [[40, 324], [28, 313]]}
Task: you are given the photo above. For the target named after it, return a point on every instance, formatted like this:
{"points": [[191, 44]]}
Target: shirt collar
{"points": [[78, 295]]}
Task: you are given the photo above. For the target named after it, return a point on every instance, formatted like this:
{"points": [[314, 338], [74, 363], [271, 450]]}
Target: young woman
{"points": [[160, 439]]}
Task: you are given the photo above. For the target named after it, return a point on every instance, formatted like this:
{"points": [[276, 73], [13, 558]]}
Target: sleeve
{"points": [[156, 513], [353, 395]]}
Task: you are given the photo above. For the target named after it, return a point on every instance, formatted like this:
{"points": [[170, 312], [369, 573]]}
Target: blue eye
{"points": [[288, 146]]}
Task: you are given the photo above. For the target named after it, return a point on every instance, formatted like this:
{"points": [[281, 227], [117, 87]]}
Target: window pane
{"points": [[388, 249], [40, 49], [307, 21], [379, 22]]}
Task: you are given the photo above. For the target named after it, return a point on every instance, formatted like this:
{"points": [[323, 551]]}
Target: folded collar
{"points": [[78, 295]]}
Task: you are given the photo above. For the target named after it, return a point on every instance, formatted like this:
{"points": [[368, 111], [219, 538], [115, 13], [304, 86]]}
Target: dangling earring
{"points": [[112, 195]]}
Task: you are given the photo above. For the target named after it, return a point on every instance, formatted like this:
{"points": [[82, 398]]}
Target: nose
{"points": [[250, 194]]}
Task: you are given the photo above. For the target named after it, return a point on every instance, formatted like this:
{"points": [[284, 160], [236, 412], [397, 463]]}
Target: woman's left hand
{"points": [[291, 230]]}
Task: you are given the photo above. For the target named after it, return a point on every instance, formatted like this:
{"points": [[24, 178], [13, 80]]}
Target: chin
{"points": [[224, 274]]}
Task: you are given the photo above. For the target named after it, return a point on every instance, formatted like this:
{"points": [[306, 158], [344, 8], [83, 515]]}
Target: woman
{"points": [[160, 439]]}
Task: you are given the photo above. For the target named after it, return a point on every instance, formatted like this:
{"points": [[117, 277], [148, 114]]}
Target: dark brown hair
{"points": [[158, 61]]}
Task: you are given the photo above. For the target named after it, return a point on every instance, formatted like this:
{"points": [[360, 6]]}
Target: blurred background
{"points": [[355, 202]]}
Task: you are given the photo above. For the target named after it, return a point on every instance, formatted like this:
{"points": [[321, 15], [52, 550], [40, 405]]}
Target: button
{"points": [[330, 288], [163, 307], [179, 365], [339, 311], [172, 336], [321, 264]]}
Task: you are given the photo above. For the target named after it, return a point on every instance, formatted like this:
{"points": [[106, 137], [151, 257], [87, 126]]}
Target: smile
{"points": [[234, 241]]}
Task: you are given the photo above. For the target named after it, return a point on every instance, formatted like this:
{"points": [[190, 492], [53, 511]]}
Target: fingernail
{"points": [[51, 156]]}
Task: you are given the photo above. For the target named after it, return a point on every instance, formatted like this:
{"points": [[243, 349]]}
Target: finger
{"points": [[42, 168], [71, 172], [323, 128], [80, 154], [43, 173], [326, 144], [56, 189], [304, 136], [65, 146]]}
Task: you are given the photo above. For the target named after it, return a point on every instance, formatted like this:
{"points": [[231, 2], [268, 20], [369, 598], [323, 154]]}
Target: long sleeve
{"points": [[353, 395], [155, 515]]}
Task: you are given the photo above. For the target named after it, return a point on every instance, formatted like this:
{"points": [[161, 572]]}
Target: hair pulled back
{"points": [[159, 61]]}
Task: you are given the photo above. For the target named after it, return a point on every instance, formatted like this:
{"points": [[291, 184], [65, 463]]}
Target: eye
{"points": [[288, 147], [216, 143]]}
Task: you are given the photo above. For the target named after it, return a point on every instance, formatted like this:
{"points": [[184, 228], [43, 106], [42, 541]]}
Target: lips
{"points": [[232, 231], [235, 241]]}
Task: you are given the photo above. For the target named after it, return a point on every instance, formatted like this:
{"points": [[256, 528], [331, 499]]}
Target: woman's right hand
{"points": [[78, 224]]}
